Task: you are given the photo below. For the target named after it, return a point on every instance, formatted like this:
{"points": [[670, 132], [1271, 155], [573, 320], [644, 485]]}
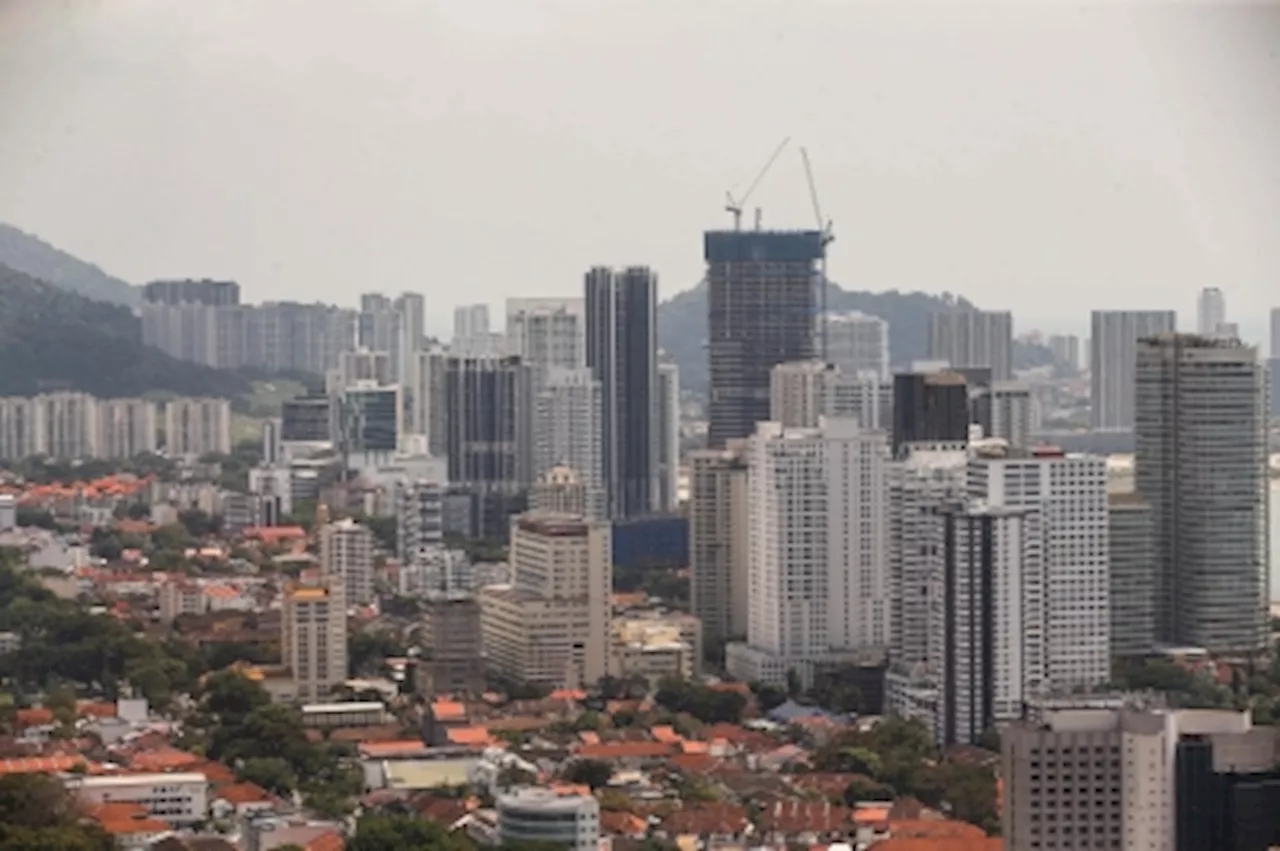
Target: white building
{"points": [[567, 431], [547, 333], [419, 520], [668, 435], [127, 427], [818, 539], [544, 815], [21, 428], [797, 393], [718, 543], [1070, 491], [428, 415], [197, 427], [70, 424], [1211, 311], [346, 553], [1113, 357], [180, 798], [471, 335], [858, 342], [313, 639], [1005, 410], [973, 338]]}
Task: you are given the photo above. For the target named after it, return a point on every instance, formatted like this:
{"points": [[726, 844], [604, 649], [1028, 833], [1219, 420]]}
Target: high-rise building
{"points": [[559, 491], [988, 629], [128, 427], [547, 333], [313, 638], [471, 334], [346, 554], [798, 393], [451, 628], [567, 432], [1070, 492], [718, 541], [858, 342], [487, 410], [1211, 311], [307, 419], [428, 415], [1201, 462], [818, 537], [974, 338], [22, 429], [1005, 410], [862, 397], [195, 427], [206, 292], [272, 451], [363, 365], [71, 428], [1113, 360], [622, 351], [921, 483], [1066, 352], [419, 519], [1133, 575], [929, 407], [761, 303], [370, 418], [551, 624], [668, 405]]}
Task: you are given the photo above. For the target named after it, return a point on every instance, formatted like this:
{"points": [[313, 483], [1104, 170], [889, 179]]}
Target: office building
{"points": [[567, 431], [858, 342], [307, 419], [370, 419], [974, 338], [547, 333], [551, 624], [1132, 574], [1201, 463], [1005, 410], [313, 638], [346, 553], [1228, 790], [1070, 492], [451, 628], [929, 407], [545, 815], [272, 450], [419, 520], [1114, 358], [428, 413], [195, 427], [988, 629], [668, 415], [817, 560], [718, 541], [761, 303], [1109, 778], [127, 427], [487, 410], [180, 798], [622, 352], [922, 482], [1211, 311]]}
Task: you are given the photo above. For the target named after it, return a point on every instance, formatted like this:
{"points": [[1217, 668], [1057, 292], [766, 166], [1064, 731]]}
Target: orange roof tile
{"points": [[448, 710], [625, 750], [327, 842], [125, 827], [95, 709], [689, 746], [242, 793], [399, 747], [117, 810], [589, 737], [871, 815], [162, 759], [706, 819], [934, 829], [469, 736], [567, 694], [36, 717], [665, 733]]}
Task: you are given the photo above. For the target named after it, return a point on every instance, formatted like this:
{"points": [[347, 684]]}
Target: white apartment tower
{"points": [[668, 436], [1201, 464], [567, 431], [127, 427], [718, 523], [471, 335], [71, 426], [346, 553], [313, 638], [22, 432], [797, 393], [818, 540], [419, 520], [195, 427], [988, 627], [858, 342], [547, 333], [1113, 359], [1070, 492], [1211, 312], [973, 338]]}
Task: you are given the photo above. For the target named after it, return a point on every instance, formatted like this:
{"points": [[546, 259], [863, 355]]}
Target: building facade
{"points": [[346, 554], [195, 427], [567, 432], [313, 638], [858, 342], [974, 338], [1113, 361]]}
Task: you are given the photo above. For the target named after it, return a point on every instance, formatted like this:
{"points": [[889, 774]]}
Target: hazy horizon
{"points": [[1047, 160]]}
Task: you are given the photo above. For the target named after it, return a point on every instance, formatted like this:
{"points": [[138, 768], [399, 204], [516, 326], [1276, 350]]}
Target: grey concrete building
{"points": [[1201, 462], [718, 541], [974, 338], [1132, 575], [1113, 348]]}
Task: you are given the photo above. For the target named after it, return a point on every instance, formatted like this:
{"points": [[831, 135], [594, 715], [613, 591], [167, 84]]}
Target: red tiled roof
{"points": [[242, 793], [162, 759], [626, 750], [791, 816], [125, 827], [935, 828], [939, 843], [707, 819], [42, 764], [36, 717]]}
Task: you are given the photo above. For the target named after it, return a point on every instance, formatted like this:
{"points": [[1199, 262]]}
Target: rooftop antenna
{"points": [[826, 236], [734, 206]]}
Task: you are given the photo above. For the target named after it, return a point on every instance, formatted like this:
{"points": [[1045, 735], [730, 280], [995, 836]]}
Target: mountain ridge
{"points": [[29, 254]]}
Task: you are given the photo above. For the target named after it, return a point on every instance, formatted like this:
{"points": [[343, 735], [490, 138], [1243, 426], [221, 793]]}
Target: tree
{"points": [[591, 772], [768, 695], [38, 814], [702, 702], [231, 695], [866, 789], [271, 773], [392, 832]]}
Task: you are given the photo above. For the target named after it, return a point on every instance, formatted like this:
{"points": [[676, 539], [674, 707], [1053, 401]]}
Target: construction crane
{"points": [[826, 237], [734, 206]]}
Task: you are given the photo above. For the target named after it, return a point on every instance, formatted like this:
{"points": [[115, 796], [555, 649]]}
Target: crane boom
{"points": [[735, 206]]}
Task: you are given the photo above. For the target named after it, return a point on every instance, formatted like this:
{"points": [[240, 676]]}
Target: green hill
{"points": [[32, 256], [682, 324], [52, 339]]}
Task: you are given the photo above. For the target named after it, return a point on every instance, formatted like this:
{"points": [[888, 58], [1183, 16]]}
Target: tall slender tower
{"points": [[622, 352], [1201, 463], [761, 310], [1112, 360]]}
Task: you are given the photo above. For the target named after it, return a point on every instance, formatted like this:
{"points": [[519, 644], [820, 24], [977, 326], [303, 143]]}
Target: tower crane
{"points": [[734, 206], [826, 236]]}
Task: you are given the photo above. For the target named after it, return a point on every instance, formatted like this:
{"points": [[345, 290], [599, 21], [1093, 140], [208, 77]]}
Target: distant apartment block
{"points": [[195, 427], [974, 338], [857, 343], [1113, 361]]}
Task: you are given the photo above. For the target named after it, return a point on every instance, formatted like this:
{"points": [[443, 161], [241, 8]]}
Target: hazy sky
{"points": [[1047, 158]]}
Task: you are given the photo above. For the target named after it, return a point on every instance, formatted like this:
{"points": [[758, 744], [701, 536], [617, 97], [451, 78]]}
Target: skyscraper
{"points": [[718, 541], [313, 637], [1211, 311], [471, 334], [547, 333], [346, 556], [1201, 463], [622, 352], [567, 432], [1113, 359], [668, 436], [973, 338], [761, 300], [929, 407], [858, 342]]}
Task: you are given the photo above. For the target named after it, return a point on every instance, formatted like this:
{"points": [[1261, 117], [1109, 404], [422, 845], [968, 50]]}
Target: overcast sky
{"points": [[1047, 158]]}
